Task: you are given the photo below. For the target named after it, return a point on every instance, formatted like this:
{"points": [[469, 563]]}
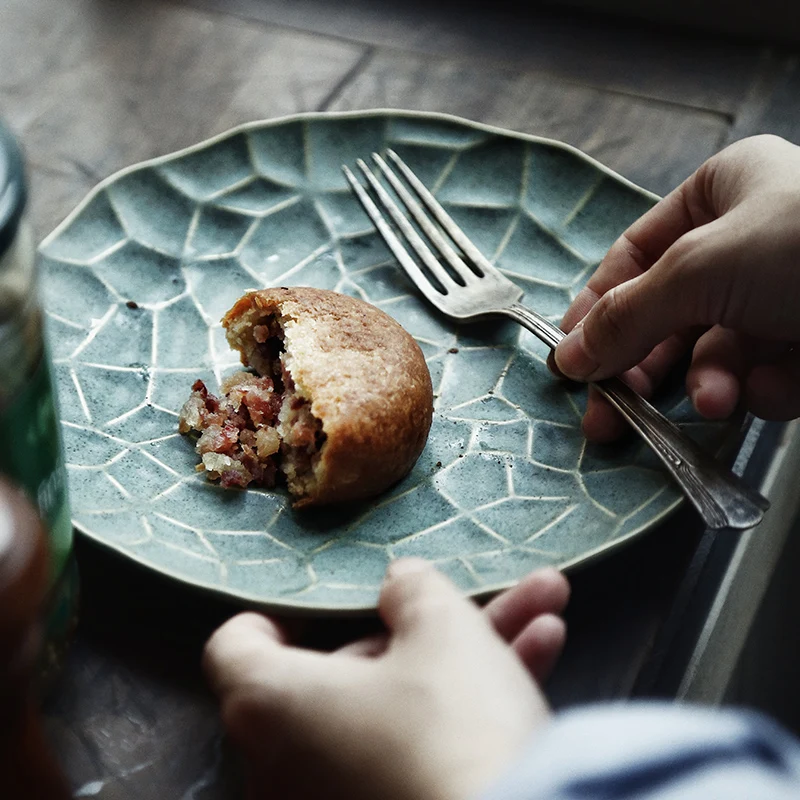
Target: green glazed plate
{"points": [[137, 278]]}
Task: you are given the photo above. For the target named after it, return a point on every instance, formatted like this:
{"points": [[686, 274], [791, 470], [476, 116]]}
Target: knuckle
{"points": [[233, 654], [684, 251], [209, 653], [234, 630], [760, 144], [625, 249], [215, 648], [770, 140], [689, 276], [431, 606], [442, 612]]}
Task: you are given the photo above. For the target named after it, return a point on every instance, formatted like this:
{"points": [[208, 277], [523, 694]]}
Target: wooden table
{"points": [[91, 86]]}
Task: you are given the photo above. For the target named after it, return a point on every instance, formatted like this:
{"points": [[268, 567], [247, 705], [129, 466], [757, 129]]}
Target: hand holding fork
{"points": [[478, 290]]}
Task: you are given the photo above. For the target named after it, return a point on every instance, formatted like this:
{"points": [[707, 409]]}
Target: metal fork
{"points": [[463, 293]]}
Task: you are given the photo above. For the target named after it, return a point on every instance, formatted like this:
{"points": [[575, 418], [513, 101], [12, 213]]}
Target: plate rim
{"points": [[296, 607], [311, 115]]}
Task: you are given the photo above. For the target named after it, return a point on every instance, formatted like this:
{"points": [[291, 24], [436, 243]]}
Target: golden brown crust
{"points": [[366, 379]]}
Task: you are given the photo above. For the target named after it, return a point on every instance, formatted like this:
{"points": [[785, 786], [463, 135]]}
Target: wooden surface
{"points": [[91, 86]]}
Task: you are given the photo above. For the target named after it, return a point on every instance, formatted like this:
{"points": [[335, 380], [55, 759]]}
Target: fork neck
{"points": [[549, 333]]}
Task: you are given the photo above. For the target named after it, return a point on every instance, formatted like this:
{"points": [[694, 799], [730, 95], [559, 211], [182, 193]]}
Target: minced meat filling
{"points": [[302, 438], [255, 421], [269, 340], [237, 431]]}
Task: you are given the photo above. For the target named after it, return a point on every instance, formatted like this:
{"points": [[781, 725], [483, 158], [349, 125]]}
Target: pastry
{"points": [[340, 402]]}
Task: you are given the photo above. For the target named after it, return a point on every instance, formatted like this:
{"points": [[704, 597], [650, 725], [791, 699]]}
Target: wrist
{"points": [[471, 774]]}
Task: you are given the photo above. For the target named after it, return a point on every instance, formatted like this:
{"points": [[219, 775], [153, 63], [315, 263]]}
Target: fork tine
{"points": [[394, 244], [412, 237], [442, 217], [423, 220]]}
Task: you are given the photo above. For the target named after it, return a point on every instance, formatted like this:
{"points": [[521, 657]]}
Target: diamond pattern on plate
{"points": [[136, 280]]}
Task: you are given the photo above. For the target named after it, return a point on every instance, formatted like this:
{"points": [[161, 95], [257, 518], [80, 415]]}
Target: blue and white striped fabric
{"points": [[655, 751]]}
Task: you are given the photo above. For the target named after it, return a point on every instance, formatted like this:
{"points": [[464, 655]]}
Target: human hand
{"points": [[714, 265], [436, 710]]}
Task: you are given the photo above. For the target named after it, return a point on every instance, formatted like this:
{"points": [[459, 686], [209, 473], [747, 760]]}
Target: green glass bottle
{"points": [[30, 443]]}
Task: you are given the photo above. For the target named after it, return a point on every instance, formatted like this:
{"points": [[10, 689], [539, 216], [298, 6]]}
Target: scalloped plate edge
{"points": [[315, 115]]}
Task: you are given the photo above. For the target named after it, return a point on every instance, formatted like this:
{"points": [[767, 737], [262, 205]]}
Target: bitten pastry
{"points": [[341, 401]]}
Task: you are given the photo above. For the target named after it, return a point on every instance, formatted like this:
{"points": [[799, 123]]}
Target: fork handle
{"points": [[721, 498]]}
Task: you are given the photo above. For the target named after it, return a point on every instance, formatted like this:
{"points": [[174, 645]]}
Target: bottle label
{"points": [[31, 456]]}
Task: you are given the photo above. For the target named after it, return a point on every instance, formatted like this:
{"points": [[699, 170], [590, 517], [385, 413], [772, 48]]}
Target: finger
{"points": [[664, 357], [602, 423], [643, 243], [423, 610], [685, 208], [623, 262], [539, 645], [719, 367], [721, 363], [687, 287], [773, 390], [237, 647], [621, 329], [251, 649], [368, 647], [244, 661], [545, 591], [267, 689]]}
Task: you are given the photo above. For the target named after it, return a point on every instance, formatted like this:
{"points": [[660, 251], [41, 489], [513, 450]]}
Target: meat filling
{"points": [[258, 424]]}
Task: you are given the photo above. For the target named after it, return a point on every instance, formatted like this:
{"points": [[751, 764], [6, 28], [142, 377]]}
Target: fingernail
{"points": [[405, 566], [571, 356]]}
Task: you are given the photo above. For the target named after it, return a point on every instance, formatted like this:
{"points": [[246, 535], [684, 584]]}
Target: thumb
{"points": [[423, 610], [630, 319], [250, 649], [263, 683]]}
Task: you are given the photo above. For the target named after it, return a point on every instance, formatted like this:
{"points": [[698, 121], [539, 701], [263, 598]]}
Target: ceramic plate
{"points": [[137, 278]]}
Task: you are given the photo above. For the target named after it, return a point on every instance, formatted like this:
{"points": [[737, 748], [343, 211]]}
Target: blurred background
{"points": [[650, 89]]}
